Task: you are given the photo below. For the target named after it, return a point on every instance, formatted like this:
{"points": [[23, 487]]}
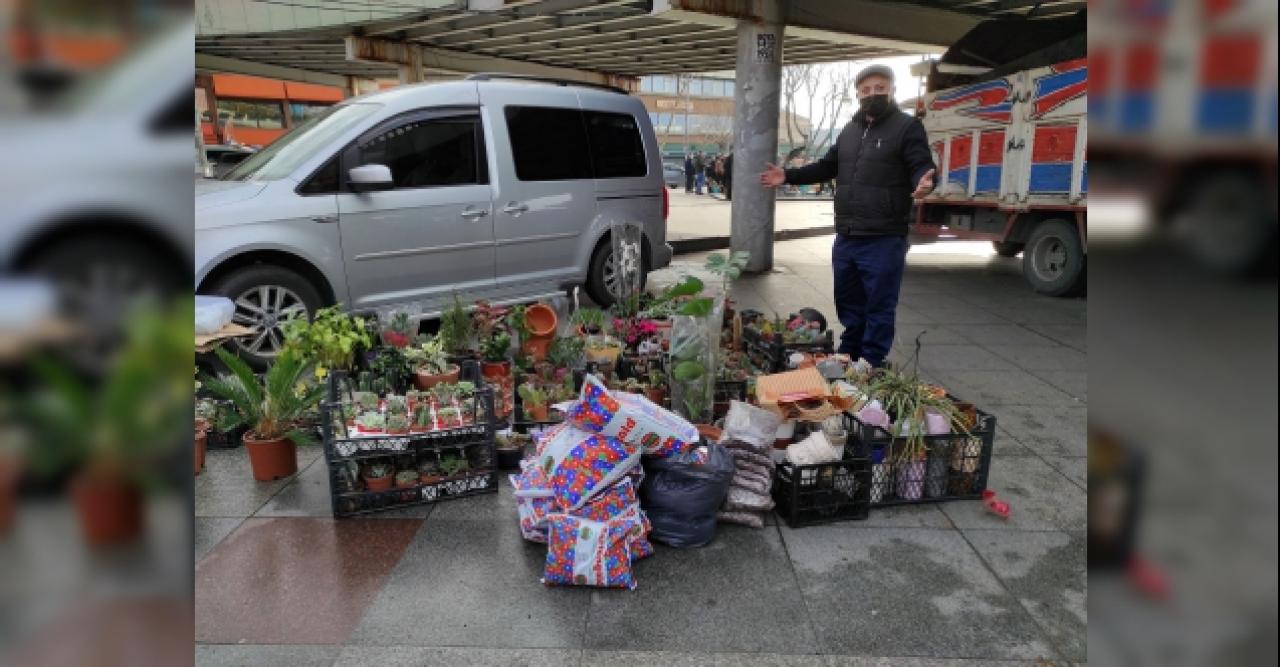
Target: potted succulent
{"points": [[454, 467], [413, 398], [450, 417], [603, 350], [398, 333], [397, 424], [367, 401], [371, 423], [378, 476], [422, 421], [429, 472], [329, 340], [565, 353], [272, 407], [406, 479], [656, 391], [391, 368], [432, 363], [494, 350], [466, 395], [534, 402], [397, 405]]}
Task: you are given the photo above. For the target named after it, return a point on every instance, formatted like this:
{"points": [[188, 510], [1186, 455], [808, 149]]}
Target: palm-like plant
{"points": [[907, 400], [272, 406]]}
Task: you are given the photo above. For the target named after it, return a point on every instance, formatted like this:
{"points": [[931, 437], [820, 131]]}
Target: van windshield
{"points": [[287, 153]]}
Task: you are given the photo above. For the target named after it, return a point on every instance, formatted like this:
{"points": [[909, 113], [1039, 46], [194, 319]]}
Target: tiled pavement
{"points": [[278, 582]]}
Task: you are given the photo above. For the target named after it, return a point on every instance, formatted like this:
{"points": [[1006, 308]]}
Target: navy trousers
{"points": [[868, 275]]}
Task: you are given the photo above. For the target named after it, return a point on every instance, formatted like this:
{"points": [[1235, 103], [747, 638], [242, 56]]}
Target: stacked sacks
{"points": [[577, 493], [748, 435]]}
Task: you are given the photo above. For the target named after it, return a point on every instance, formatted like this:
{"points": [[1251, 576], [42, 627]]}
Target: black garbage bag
{"points": [[681, 498]]}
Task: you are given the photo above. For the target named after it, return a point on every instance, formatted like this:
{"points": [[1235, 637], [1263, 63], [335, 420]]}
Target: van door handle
{"points": [[474, 213], [324, 219], [514, 208]]}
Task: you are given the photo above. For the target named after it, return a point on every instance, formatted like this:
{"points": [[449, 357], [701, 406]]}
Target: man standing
{"points": [[700, 172], [728, 177], [688, 173], [881, 161]]}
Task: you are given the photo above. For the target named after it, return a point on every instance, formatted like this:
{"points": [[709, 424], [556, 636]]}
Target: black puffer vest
{"points": [[873, 185]]}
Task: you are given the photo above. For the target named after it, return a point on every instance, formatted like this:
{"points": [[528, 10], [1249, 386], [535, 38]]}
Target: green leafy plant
{"points": [[566, 352], [456, 328], [329, 340], [450, 416], [430, 356], [273, 406], [406, 478], [516, 322], [126, 421], [378, 470], [367, 400], [488, 319], [464, 390], [728, 267], [392, 365], [591, 320], [907, 400], [495, 347], [453, 465], [532, 395], [422, 416]]}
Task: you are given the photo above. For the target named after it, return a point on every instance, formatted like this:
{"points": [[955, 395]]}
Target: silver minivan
{"points": [[491, 188]]}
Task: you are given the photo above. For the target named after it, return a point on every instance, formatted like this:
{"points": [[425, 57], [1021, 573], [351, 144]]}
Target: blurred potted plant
{"points": [[456, 330], [533, 401], [397, 424], [429, 472], [540, 323], [494, 350], [450, 417], [371, 423], [432, 363], [454, 467], [398, 333], [588, 321], [378, 477], [271, 408], [393, 367], [329, 340], [406, 479], [115, 432], [422, 421]]}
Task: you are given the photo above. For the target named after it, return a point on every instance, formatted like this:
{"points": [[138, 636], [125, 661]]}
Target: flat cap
{"points": [[872, 70]]}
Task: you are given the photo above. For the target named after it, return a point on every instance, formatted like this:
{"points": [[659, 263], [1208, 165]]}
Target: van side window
{"points": [[428, 152], [616, 148], [548, 144]]}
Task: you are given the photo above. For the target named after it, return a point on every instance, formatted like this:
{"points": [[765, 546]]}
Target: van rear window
{"points": [[616, 148]]}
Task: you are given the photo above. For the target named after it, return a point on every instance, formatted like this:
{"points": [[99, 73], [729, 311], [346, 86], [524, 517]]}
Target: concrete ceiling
{"points": [[577, 39]]}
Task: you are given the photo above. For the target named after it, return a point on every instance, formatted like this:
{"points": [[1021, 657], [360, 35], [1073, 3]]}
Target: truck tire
{"points": [[1007, 249], [1054, 260], [286, 295], [1226, 225]]}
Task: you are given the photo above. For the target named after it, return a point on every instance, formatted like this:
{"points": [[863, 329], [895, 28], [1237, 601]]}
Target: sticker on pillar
{"points": [[766, 48]]}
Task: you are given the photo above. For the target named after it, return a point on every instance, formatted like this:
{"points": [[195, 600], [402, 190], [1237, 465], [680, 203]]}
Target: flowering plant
{"points": [[634, 330]]}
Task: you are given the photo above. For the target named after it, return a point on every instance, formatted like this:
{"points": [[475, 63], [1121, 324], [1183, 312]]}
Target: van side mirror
{"points": [[370, 178]]}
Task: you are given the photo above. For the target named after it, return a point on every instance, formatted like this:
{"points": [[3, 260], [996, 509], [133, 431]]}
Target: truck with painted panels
{"points": [[1012, 167]]}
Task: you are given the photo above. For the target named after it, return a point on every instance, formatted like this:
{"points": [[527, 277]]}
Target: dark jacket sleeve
{"points": [[816, 172], [916, 153]]}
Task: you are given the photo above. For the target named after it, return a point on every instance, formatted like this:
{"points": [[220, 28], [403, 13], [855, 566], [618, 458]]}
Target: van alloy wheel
{"points": [[265, 309]]}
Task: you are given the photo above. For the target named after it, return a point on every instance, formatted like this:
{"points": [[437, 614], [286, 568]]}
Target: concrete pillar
{"points": [[411, 72], [756, 97]]}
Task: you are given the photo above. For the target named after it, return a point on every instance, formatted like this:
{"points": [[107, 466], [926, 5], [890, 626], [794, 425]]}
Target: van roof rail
{"points": [[490, 76]]}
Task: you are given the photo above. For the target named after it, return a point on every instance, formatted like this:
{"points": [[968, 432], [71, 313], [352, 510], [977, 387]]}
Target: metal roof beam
{"points": [[214, 63], [585, 28]]}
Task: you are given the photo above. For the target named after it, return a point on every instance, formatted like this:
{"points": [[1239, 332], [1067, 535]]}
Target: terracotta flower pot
{"points": [[536, 413], [536, 347], [10, 472], [495, 369], [431, 479], [656, 396], [426, 381], [271, 459], [541, 320], [109, 507], [378, 483]]}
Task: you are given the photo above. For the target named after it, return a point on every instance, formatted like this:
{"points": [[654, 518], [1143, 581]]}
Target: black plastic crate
{"points": [[955, 467], [473, 442], [726, 391], [770, 353], [824, 492]]}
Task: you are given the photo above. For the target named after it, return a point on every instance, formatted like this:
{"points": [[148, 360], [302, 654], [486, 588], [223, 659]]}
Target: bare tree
{"points": [[832, 107], [795, 78]]}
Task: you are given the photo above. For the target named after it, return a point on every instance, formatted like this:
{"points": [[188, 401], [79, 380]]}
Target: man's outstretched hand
{"points": [[925, 186], [773, 176]]}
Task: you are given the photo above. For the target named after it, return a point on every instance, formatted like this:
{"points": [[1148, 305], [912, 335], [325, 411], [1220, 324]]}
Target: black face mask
{"points": [[874, 105]]}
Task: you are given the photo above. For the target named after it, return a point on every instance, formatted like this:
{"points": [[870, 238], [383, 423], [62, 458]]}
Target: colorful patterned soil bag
{"points": [[582, 552], [633, 419]]}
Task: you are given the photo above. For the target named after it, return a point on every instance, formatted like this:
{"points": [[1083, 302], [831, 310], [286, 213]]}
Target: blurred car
{"points": [[223, 158], [672, 175], [101, 205]]}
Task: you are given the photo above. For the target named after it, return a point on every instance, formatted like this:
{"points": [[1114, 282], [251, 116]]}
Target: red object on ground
{"points": [[997, 507], [1147, 578]]}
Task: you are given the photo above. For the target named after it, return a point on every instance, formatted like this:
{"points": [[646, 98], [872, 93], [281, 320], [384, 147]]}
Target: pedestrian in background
{"points": [[881, 161], [728, 177], [688, 173], [700, 172]]}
